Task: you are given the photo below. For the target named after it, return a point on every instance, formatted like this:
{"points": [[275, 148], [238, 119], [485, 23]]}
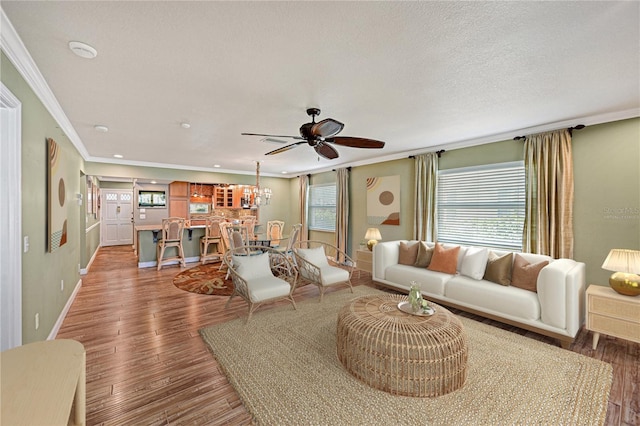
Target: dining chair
{"points": [[316, 267], [172, 230], [260, 278], [250, 223], [211, 237], [274, 231], [293, 237]]}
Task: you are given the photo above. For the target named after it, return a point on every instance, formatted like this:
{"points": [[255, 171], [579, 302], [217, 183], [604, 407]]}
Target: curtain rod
{"points": [[570, 129], [437, 152]]}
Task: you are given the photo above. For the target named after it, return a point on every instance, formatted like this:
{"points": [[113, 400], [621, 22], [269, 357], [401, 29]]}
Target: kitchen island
{"points": [[146, 242]]}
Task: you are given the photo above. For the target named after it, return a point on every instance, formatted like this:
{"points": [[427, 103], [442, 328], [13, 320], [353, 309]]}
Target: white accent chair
{"points": [[317, 265], [260, 274]]}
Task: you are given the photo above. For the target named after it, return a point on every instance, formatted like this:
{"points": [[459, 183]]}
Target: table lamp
{"points": [[372, 236], [626, 266]]}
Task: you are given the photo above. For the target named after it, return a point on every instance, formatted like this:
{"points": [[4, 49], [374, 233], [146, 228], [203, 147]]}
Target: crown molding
{"points": [[14, 48]]}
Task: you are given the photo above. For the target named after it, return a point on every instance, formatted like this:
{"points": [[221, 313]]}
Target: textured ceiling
{"points": [[417, 75]]}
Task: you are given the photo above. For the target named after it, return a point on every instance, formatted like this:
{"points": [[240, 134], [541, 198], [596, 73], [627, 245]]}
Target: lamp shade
{"points": [[622, 260], [373, 234]]}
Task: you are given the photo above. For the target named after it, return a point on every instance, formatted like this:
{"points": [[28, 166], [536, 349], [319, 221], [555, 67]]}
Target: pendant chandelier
{"points": [[260, 195]]}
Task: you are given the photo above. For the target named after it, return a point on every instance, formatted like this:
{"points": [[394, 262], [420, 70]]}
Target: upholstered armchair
{"points": [[260, 275], [317, 264]]}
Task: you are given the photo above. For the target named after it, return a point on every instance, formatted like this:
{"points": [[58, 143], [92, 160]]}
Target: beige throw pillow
{"points": [[444, 260], [499, 268], [408, 253], [424, 254], [525, 274]]}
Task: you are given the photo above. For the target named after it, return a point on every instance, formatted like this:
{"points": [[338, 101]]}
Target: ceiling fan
{"points": [[320, 135]]}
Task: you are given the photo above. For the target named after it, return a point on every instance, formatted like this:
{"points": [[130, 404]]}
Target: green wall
{"points": [[42, 271]]}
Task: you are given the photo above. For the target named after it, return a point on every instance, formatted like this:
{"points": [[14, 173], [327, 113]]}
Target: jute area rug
{"points": [[283, 364], [204, 279]]}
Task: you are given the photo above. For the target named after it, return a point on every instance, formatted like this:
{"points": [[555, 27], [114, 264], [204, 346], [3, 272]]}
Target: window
{"points": [[482, 206], [321, 207]]}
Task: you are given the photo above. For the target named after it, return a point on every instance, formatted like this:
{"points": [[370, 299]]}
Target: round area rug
{"points": [[204, 279]]}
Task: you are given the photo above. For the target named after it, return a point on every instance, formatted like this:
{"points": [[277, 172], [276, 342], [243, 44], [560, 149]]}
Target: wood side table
{"points": [[41, 381], [364, 260], [612, 314]]}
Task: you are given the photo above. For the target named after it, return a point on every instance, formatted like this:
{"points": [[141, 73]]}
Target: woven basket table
{"points": [[401, 353]]}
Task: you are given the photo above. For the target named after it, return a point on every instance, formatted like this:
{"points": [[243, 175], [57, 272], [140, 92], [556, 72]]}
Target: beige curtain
{"points": [[303, 188], [426, 179], [548, 225], [342, 211]]}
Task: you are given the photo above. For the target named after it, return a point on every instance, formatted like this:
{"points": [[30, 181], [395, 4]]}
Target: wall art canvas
{"points": [[56, 197], [89, 195], [383, 200]]}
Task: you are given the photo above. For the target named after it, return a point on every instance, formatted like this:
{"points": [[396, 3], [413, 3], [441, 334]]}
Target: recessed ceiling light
{"points": [[101, 128], [216, 165], [118, 155], [83, 50], [284, 172], [185, 125], [153, 181]]}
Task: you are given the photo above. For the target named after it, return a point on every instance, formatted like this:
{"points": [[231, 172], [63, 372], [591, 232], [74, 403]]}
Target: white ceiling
{"points": [[417, 75]]}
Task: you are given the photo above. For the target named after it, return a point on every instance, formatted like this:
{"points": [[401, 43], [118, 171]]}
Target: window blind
{"points": [[482, 206], [321, 207]]}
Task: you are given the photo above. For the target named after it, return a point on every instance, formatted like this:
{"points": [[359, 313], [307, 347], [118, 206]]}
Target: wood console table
{"points": [[41, 381]]}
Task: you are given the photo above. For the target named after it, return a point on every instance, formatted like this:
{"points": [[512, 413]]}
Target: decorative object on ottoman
{"points": [[400, 353], [626, 266]]}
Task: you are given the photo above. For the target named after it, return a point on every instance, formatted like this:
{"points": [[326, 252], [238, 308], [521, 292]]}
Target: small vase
{"points": [[415, 297]]}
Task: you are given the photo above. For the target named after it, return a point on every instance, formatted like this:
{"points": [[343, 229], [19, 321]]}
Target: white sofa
{"points": [[556, 310]]}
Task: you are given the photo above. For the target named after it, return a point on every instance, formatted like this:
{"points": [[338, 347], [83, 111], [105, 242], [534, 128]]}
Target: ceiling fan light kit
{"points": [[320, 135]]}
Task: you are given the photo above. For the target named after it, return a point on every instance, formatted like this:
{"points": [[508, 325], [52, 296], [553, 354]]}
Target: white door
{"points": [[117, 217]]}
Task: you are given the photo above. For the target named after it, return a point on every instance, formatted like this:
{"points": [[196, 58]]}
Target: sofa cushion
{"points": [[430, 282], [314, 255], [494, 298], [525, 274], [408, 253], [499, 268], [424, 255], [249, 267], [474, 262], [444, 260]]}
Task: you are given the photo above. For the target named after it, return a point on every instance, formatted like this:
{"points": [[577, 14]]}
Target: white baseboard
{"points": [[84, 271], [154, 263], [63, 314]]}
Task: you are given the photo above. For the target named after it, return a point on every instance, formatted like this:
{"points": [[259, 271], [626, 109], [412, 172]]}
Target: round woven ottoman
{"points": [[401, 353]]}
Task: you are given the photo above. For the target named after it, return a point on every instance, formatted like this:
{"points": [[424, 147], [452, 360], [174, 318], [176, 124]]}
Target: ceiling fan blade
{"points": [[327, 128], [326, 151], [285, 148], [274, 136], [356, 142]]}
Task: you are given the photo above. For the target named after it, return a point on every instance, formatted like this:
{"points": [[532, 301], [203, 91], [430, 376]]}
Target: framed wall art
{"points": [[383, 200], [56, 197]]}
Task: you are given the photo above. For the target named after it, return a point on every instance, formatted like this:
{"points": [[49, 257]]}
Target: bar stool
{"points": [[172, 230], [211, 236]]}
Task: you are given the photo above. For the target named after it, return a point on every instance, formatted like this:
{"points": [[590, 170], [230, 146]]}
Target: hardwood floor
{"points": [[147, 365]]}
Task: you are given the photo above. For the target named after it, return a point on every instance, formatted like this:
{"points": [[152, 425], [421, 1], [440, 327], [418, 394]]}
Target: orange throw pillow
{"points": [[525, 274], [444, 260]]}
